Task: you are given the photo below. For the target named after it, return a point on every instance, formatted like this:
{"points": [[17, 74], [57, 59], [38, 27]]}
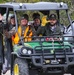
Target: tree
{"points": [[69, 2]]}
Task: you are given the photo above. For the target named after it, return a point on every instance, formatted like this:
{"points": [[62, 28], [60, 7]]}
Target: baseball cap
{"points": [[52, 16], [24, 16], [36, 15]]}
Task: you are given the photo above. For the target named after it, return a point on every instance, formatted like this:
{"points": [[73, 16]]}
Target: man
{"points": [[24, 30], [37, 21], [51, 27]]}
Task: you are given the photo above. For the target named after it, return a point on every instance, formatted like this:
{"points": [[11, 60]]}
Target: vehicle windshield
{"points": [[61, 16]]}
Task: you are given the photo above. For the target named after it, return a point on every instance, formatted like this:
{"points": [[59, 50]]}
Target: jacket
{"points": [[46, 30]]}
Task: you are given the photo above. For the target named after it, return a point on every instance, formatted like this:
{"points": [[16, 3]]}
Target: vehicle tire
{"points": [[20, 67], [71, 70]]}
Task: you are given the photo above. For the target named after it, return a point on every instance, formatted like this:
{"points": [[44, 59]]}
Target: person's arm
{"points": [[9, 34], [12, 31], [33, 30], [40, 31], [63, 28]]}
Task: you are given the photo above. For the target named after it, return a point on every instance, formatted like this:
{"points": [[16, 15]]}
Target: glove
{"points": [[44, 20]]}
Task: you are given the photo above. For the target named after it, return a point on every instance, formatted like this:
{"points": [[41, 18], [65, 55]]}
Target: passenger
{"points": [[11, 27], [12, 22], [24, 30], [51, 27], [37, 21]]}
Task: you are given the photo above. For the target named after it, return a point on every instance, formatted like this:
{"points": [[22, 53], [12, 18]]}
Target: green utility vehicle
{"points": [[42, 55]]}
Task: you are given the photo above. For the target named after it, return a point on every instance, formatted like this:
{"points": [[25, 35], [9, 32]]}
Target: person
{"points": [[37, 21], [1, 43], [51, 27], [24, 30], [8, 41], [10, 28], [12, 22]]}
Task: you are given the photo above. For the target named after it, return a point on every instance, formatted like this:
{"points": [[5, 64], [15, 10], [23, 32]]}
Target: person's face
{"points": [[53, 21], [37, 21], [12, 21], [24, 22]]}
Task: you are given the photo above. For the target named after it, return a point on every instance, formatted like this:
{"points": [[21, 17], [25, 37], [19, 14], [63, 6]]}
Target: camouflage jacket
{"points": [[47, 31]]}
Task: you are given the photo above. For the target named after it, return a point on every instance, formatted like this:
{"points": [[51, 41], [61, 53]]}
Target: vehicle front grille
{"points": [[40, 51], [61, 51]]}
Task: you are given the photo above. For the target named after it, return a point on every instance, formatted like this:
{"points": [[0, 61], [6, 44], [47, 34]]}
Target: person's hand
{"points": [[44, 20]]}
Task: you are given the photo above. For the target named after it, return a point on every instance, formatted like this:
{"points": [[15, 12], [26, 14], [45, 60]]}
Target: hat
{"points": [[13, 16], [25, 16], [52, 16], [36, 15]]}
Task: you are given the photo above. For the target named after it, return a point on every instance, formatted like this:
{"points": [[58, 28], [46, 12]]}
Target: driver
{"points": [[51, 27], [25, 30]]}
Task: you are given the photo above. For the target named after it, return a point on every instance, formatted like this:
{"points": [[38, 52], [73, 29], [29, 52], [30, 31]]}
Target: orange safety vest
{"points": [[26, 37]]}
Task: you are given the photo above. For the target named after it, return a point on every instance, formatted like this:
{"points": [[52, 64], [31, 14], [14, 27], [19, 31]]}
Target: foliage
{"points": [[1, 1], [69, 2]]}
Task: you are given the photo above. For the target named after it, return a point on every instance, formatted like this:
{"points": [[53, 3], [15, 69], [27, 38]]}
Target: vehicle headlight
{"points": [[24, 51], [29, 52]]}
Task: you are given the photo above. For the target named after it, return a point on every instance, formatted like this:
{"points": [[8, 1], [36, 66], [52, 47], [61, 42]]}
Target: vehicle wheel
{"points": [[71, 70], [20, 67]]}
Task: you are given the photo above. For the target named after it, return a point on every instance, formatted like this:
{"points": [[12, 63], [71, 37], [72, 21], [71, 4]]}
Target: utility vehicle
{"points": [[42, 55]]}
